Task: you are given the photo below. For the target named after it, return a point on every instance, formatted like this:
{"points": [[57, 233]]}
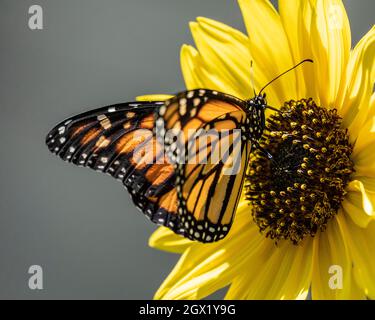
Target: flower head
{"points": [[295, 194], [311, 207]]}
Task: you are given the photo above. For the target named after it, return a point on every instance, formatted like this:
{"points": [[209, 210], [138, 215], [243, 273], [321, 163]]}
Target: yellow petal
{"points": [[358, 292], [330, 41], [240, 284], [205, 268], [194, 74], [368, 199], [362, 248], [332, 275], [361, 75], [366, 167], [165, 239], [283, 273], [363, 153], [154, 97], [352, 207], [305, 48], [225, 55], [359, 203], [269, 48], [365, 142], [291, 13]]}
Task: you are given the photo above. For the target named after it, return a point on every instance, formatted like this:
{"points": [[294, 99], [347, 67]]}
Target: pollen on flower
{"points": [[301, 188]]}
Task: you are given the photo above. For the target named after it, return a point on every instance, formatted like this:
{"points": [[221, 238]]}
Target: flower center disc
{"points": [[295, 193]]}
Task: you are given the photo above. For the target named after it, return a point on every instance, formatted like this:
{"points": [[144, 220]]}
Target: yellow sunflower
{"points": [[312, 229]]}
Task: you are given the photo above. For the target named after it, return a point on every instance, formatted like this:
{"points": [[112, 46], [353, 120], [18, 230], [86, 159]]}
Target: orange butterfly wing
{"points": [[119, 140], [201, 131]]}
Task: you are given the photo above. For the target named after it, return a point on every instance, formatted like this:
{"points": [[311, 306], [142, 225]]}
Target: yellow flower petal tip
{"points": [[166, 240], [154, 97]]}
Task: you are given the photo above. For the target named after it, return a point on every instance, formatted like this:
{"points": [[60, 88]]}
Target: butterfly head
{"points": [[260, 101], [256, 114]]}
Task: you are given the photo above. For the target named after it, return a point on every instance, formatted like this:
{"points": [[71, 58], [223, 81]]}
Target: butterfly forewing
{"points": [[119, 140]]}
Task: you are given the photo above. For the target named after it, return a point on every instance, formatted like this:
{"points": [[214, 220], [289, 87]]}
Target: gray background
{"points": [[81, 227]]}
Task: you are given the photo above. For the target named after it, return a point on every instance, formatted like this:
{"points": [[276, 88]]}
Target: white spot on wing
{"points": [[190, 94], [162, 110], [159, 122]]}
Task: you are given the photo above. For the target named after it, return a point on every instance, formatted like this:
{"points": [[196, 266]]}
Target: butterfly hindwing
{"points": [[205, 125]]}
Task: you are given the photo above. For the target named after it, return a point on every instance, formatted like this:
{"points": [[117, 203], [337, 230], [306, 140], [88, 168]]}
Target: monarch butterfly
{"points": [[130, 142]]}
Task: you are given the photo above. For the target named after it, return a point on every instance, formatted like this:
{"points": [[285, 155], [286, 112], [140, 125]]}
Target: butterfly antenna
{"points": [[280, 75], [277, 110], [252, 77]]}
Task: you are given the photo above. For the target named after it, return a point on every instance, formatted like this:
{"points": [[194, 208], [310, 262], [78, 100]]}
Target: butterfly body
{"points": [[256, 114]]}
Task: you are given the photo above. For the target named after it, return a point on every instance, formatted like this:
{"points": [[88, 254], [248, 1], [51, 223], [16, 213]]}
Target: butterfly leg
{"points": [[267, 154], [264, 151]]}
